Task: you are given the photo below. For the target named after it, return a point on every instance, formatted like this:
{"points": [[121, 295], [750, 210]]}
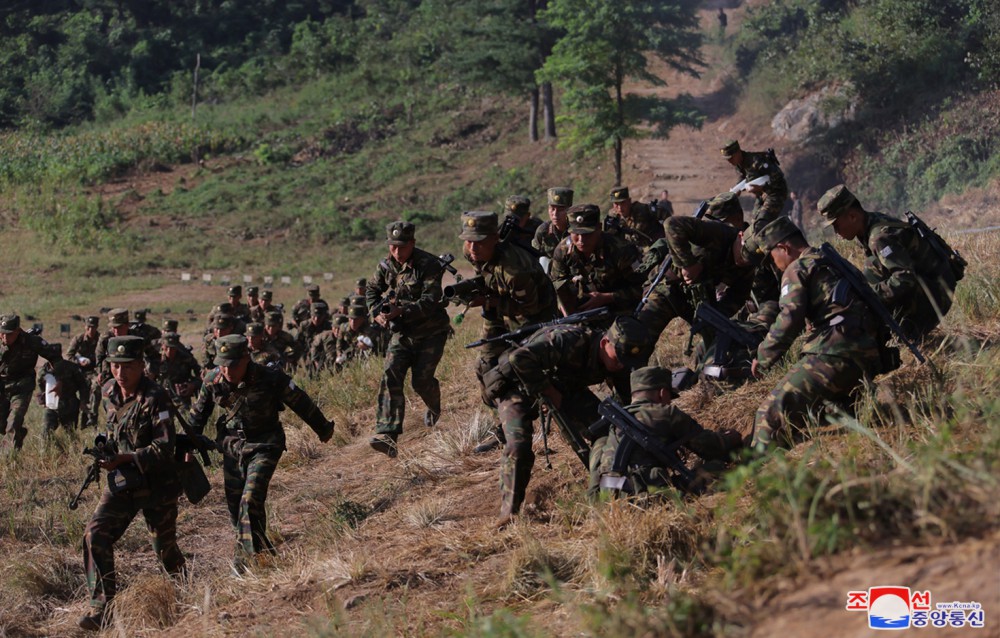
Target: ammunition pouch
{"points": [[194, 483], [126, 478]]}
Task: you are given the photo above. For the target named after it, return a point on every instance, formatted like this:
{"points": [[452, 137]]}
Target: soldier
{"points": [[913, 281], [240, 311], [61, 400], [282, 341], [632, 220], [180, 374], [519, 291], [224, 308], [19, 352], [358, 337], [261, 352], [341, 309], [360, 285], [556, 365], [300, 311], [523, 226], [591, 268], [408, 284], [664, 208], [840, 350], [224, 325], [253, 299], [118, 326], [144, 476], [552, 232], [170, 325], [251, 398], [83, 350], [319, 322], [140, 328], [726, 208], [259, 312], [652, 393], [770, 196]]}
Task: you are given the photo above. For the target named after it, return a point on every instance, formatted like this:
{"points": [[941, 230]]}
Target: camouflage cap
{"points": [[225, 320], [313, 291], [267, 295], [560, 196], [399, 233], [253, 291], [125, 349], [730, 148], [477, 225], [319, 309], [631, 341], [357, 300], [255, 329], [273, 318], [118, 317], [723, 206], [835, 202], [651, 378], [619, 194], [93, 321], [775, 232], [584, 219], [230, 349], [9, 323], [357, 312], [170, 325], [140, 315], [344, 302], [236, 291], [171, 340], [225, 307], [361, 283], [517, 205], [340, 320]]}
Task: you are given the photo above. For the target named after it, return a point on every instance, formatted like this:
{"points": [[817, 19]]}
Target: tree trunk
{"points": [[620, 105], [533, 116], [549, 111]]}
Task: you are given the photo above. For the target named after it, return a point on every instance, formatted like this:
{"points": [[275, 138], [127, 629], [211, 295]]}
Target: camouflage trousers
{"points": [[92, 401], [517, 413], [112, 517], [67, 415], [665, 303], [810, 382], [246, 481], [421, 357], [15, 397]]}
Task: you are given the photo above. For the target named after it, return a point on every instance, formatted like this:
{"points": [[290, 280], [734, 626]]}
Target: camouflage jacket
{"points": [[519, 288], [642, 227], [285, 344], [846, 329], [417, 288], [242, 312], [150, 333], [81, 346], [268, 355], [259, 314], [144, 427], [562, 356], [301, 310], [611, 268], [757, 164], [710, 243], [251, 409], [150, 353], [347, 343], [547, 238], [72, 382], [524, 236], [183, 368], [17, 361], [306, 336]]}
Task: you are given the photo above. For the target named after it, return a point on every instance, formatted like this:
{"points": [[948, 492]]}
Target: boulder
{"points": [[816, 113]]}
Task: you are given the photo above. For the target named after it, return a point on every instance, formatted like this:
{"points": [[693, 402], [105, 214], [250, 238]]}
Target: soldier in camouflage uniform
{"points": [[592, 269], [224, 325], [83, 351], [139, 421], [771, 196], [71, 389], [300, 311], [520, 292], [319, 322], [341, 309], [549, 234], [240, 310], [652, 394], [840, 350], [409, 282], [180, 374], [253, 300], [19, 352], [261, 352], [523, 229], [359, 337], [633, 220], [556, 365], [140, 328], [224, 308], [259, 312], [118, 326], [282, 341], [250, 398], [915, 283], [705, 257]]}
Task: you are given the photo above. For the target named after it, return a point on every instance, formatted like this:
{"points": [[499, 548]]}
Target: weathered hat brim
{"points": [[467, 235], [583, 230], [123, 359]]}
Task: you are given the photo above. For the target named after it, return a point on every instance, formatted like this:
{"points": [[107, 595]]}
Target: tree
{"points": [[606, 42]]}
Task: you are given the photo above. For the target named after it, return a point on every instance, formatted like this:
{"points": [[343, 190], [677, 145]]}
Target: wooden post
{"points": [[194, 90]]}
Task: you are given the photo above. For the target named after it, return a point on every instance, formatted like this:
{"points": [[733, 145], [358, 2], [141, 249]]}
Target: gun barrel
{"points": [[464, 289]]}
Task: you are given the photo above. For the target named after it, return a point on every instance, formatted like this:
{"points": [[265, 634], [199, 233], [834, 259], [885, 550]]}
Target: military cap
{"points": [[651, 378], [584, 219], [313, 291], [255, 329], [124, 349], [339, 320], [319, 308], [723, 206], [517, 205], [253, 291], [619, 194], [273, 318], [361, 283], [230, 348], [730, 148], [225, 308], [9, 323], [357, 300], [267, 295], [357, 312], [477, 225], [560, 196], [118, 317], [344, 301], [631, 341], [775, 232], [835, 202], [93, 321], [235, 291], [399, 233], [225, 320], [140, 316], [170, 325], [171, 339]]}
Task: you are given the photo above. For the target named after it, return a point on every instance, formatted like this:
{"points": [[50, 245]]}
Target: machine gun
{"points": [[515, 336], [853, 278], [466, 290], [665, 265], [727, 334], [939, 245], [104, 449], [632, 433]]}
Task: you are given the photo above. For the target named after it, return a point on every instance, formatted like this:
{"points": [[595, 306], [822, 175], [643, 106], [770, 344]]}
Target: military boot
{"points": [[384, 443]]}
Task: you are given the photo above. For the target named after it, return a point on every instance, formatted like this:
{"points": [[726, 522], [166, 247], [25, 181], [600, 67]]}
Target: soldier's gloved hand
{"points": [[329, 434]]}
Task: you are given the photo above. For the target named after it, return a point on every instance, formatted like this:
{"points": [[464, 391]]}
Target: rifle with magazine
{"points": [[728, 336], [104, 449], [665, 266], [515, 336]]}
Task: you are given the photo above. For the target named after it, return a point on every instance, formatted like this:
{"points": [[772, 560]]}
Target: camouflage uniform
{"points": [[252, 437], [17, 378], [547, 236], [142, 426], [346, 344], [140, 328], [771, 202], [282, 341], [73, 388], [840, 350], [318, 324], [418, 335], [642, 227], [181, 369], [301, 309], [224, 324], [83, 350], [519, 207], [119, 317]]}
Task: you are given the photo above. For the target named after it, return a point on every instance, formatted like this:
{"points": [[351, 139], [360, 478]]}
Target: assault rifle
{"points": [[466, 290], [665, 266], [727, 333], [515, 336], [104, 449], [579, 445], [859, 285], [632, 433], [939, 246]]}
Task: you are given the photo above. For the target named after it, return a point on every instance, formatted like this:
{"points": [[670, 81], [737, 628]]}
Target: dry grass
{"points": [[150, 602]]}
